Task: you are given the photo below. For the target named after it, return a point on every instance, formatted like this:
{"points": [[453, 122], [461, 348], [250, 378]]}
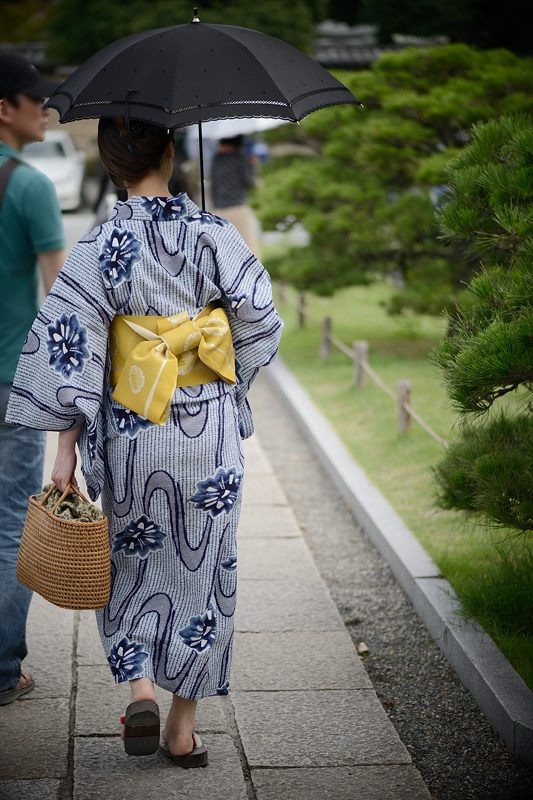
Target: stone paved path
{"points": [[301, 722]]}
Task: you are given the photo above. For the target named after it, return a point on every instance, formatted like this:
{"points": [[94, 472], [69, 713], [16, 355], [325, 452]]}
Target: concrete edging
{"points": [[500, 692]]}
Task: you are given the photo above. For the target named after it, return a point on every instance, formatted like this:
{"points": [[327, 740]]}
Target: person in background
{"points": [[232, 175], [31, 231]]}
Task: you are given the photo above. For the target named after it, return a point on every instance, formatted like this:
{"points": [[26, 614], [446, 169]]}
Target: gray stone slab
{"points": [[296, 660], [103, 770], [406, 556], [49, 635], [90, 650], [29, 790], [262, 490], [100, 702], [261, 559], [255, 459], [38, 727], [400, 782], [316, 728], [268, 521], [285, 606], [252, 443]]}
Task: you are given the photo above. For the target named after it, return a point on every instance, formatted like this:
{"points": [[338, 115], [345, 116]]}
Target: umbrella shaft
{"points": [[201, 150]]}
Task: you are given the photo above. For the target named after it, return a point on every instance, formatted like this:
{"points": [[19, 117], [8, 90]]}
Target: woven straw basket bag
{"points": [[66, 561]]}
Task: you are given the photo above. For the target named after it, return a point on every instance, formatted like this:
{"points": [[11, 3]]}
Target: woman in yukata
{"points": [[143, 353]]}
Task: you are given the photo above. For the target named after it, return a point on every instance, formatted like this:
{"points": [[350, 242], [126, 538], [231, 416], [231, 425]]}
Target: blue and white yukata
{"points": [[171, 492]]}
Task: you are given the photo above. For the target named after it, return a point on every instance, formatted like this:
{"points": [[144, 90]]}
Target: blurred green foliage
{"points": [[488, 352], [78, 28], [368, 193]]}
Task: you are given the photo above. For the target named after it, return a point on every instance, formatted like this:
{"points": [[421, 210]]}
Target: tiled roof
{"points": [[341, 45]]}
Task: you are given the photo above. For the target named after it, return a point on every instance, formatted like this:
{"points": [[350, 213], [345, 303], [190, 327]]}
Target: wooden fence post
{"points": [[360, 356], [325, 343], [403, 389], [301, 309]]}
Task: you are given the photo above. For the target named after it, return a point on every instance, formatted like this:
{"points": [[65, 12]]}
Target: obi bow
{"points": [[151, 356]]}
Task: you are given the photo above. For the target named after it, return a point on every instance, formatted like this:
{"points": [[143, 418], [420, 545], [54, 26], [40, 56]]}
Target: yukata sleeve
{"points": [[255, 324], [62, 369]]}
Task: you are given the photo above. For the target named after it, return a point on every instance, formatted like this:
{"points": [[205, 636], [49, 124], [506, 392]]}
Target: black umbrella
{"points": [[192, 73]]}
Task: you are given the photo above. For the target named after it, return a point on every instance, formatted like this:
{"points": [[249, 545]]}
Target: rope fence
{"points": [[358, 354]]}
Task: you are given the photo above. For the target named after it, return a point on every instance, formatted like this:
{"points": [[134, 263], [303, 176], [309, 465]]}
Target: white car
{"points": [[62, 163]]}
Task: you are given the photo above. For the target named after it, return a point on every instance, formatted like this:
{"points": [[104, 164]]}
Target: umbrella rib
{"points": [[128, 41], [256, 58], [323, 91], [326, 105], [230, 103]]}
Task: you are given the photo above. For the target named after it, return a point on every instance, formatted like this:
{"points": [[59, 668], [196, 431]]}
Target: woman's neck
{"points": [[150, 186]]}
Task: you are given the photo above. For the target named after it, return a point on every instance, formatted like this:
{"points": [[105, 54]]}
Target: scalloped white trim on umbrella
{"points": [[226, 128]]}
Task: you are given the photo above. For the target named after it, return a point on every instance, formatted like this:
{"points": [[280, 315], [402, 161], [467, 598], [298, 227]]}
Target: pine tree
{"points": [[487, 357], [368, 194]]}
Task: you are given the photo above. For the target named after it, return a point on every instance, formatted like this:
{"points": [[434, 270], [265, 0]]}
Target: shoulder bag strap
{"points": [[6, 171]]}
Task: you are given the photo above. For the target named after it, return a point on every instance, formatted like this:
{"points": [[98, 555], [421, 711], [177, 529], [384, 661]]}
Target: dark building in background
{"points": [[342, 46]]}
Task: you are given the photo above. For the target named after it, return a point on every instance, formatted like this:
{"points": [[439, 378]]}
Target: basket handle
{"points": [[70, 488], [48, 493]]}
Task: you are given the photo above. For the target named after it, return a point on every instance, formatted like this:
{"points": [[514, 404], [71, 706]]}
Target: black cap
{"points": [[18, 75]]}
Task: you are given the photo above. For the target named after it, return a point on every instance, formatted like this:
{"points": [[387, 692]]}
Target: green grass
{"points": [[491, 570]]}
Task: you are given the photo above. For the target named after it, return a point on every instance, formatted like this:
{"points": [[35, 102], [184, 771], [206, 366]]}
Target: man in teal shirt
{"points": [[31, 233]]}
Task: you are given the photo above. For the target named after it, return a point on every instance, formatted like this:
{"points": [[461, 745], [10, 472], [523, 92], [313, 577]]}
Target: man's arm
{"points": [[50, 263]]}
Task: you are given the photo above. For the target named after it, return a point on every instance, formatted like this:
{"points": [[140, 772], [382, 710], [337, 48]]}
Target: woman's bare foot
{"points": [[141, 689], [179, 726]]}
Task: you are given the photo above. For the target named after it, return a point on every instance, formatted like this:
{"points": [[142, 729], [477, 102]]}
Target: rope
{"points": [[381, 383], [423, 424], [341, 346]]}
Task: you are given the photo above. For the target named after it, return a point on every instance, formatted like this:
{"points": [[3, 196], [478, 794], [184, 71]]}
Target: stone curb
{"points": [[500, 692]]}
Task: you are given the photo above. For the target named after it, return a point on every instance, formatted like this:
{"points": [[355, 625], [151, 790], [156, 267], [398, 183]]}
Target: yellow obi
{"points": [[151, 356]]}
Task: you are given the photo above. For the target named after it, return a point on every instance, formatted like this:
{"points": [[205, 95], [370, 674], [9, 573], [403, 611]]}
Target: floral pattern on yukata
{"points": [[67, 345], [165, 208], [230, 563], [126, 659], [237, 300], [92, 438], [206, 218], [130, 423], [223, 688], [139, 538], [120, 251], [200, 633], [218, 492]]}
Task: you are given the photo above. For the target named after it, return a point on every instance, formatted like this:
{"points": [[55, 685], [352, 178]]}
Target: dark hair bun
{"points": [[129, 155]]}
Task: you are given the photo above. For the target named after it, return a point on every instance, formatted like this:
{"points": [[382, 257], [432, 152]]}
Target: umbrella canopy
{"points": [[196, 72]]}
